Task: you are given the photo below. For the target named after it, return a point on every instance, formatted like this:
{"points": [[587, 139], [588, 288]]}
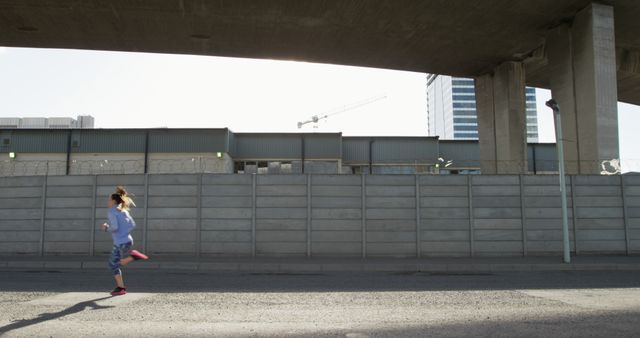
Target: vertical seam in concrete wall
{"points": [[199, 219], [308, 215], [523, 219], [574, 211], [625, 214], [43, 215], [363, 216], [146, 212], [253, 215], [92, 244], [471, 232], [418, 239]]}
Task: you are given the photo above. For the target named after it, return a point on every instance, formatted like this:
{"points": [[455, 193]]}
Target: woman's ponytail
{"points": [[122, 198]]}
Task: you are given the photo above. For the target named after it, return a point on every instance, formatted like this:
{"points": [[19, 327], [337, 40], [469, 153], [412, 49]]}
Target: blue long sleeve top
{"points": [[120, 225]]}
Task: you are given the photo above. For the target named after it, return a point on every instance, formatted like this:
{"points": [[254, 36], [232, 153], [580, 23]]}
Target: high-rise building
{"points": [[83, 122], [451, 109]]}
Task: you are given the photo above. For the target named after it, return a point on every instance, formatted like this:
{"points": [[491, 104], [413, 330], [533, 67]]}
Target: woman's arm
{"points": [[112, 226]]}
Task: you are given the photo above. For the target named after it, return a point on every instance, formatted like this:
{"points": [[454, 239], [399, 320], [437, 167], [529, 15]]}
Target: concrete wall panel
{"points": [[495, 180], [226, 213], [281, 249], [161, 179], [336, 236], [497, 223], [409, 214], [225, 224], [445, 248], [226, 202], [335, 223], [333, 249], [452, 191], [226, 190], [28, 181], [390, 191], [281, 224], [431, 180], [390, 180], [281, 190], [445, 224], [21, 203], [391, 202], [339, 180], [336, 202], [450, 213], [444, 202], [226, 179], [225, 249], [172, 190], [344, 191], [173, 213], [66, 248], [445, 235], [170, 224], [280, 202], [496, 202], [18, 192]]}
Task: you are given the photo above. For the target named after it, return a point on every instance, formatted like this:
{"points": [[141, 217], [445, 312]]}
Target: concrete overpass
{"points": [[588, 53]]}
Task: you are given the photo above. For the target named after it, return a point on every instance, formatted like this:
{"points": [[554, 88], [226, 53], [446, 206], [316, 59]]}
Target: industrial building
{"points": [[26, 152], [82, 122]]}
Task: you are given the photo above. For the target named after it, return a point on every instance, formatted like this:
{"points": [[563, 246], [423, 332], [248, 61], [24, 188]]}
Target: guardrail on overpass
{"points": [[324, 215]]}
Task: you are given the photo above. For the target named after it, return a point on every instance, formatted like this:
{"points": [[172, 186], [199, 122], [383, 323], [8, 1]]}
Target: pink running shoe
{"points": [[118, 291], [138, 255]]}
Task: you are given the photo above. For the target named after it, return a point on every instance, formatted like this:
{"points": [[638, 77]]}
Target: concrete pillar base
{"points": [[502, 131]]}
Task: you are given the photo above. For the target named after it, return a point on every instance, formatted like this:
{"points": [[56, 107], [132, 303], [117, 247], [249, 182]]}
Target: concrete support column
{"points": [[502, 129], [582, 63]]}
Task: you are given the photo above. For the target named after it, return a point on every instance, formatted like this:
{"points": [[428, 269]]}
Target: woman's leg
{"points": [[126, 261], [119, 281], [114, 265]]}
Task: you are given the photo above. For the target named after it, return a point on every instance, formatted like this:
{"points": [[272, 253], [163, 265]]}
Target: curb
{"points": [[316, 267]]}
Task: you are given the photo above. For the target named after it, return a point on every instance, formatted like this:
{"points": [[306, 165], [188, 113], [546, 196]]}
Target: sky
{"points": [[140, 90]]}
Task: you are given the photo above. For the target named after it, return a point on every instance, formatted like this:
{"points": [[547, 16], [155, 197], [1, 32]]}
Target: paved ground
{"points": [[562, 303]]}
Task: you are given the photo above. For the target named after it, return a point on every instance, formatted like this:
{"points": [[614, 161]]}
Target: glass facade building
{"points": [[451, 109]]}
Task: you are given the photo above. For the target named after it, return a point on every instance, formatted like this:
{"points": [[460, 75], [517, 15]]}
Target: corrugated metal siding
{"points": [[108, 141], [188, 140], [325, 146], [392, 150], [388, 150], [355, 150], [464, 154], [268, 146], [231, 139], [546, 158], [36, 141]]}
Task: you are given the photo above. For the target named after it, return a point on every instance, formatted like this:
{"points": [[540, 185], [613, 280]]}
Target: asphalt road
{"points": [[180, 304]]}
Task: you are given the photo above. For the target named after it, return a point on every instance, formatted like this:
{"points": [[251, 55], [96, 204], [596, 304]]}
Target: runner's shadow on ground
{"points": [[44, 317]]}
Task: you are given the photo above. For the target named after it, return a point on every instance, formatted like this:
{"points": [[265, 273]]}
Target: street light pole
{"points": [[563, 187]]}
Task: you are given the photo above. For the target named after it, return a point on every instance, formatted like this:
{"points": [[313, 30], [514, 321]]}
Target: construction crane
{"points": [[316, 118]]}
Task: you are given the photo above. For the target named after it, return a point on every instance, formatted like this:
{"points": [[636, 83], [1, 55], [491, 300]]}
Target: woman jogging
{"points": [[120, 226]]}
